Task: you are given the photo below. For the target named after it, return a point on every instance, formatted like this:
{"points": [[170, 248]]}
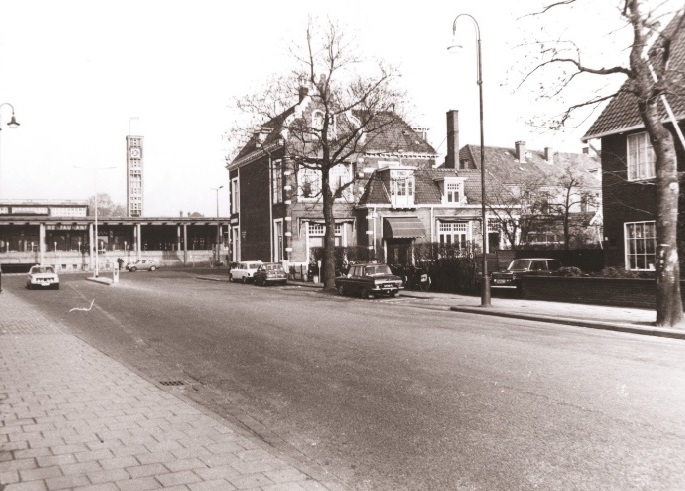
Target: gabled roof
{"points": [[502, 165], [622, 114], [394, 136], [426, 187]]}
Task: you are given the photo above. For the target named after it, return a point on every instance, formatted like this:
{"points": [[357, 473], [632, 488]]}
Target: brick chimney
{"points": [[586, 150], [549, 154], [303, 92], [452, 157], [521, 151]]}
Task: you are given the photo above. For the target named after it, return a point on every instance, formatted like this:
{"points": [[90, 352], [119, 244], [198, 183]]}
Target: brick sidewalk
{"points": [[73, 418]]}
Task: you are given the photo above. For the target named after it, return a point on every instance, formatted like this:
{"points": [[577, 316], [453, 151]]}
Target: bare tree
{"points": [[648, 77], [106, 206], [353, 100]]}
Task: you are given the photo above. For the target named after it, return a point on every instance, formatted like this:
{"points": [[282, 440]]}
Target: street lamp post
{"points": [[217, 199], [218, 227], [13, 121], [485, 284], [97, 237]]}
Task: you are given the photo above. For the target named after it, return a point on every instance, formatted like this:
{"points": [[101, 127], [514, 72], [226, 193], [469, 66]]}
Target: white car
{"points": [[244, 271], [42, 277]]}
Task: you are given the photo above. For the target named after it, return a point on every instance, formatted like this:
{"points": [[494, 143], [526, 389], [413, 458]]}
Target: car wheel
{"points": [[341, 290], [244, 279], [133, 269], [29, 286], [392, 294], [152, 268], [424, 286], [230, 277], [57, 286], [364, 293]]}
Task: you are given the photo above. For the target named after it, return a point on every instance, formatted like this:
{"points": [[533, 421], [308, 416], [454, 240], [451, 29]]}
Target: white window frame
{"points": [[453, 191], [451, 233], [277, 182], [339, 176], [402, 187], [640, 157], [235, 195], [640, 245], [313, 176]]}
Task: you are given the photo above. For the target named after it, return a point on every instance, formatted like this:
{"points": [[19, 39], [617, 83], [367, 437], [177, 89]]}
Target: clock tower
{"points": [[134, 168]]}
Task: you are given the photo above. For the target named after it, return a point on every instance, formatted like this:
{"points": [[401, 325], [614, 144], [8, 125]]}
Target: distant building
{"points": [[61, 233], [134, 173]]}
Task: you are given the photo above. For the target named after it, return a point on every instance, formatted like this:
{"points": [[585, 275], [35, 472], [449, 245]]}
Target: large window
{"points": [[309, 183], [235, 196], [277, 181], [640, 245], [340, 175], [316, 232], [453, 233], [641, 157]]}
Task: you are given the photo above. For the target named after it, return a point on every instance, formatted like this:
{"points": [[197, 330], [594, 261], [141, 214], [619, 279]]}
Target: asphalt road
{"points": [[399, 393]]}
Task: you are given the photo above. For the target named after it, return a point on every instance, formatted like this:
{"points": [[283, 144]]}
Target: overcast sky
{"points": [[81, 73]]}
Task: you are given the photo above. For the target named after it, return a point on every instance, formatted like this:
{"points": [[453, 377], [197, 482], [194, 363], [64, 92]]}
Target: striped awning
{"points": [[403, 228]]}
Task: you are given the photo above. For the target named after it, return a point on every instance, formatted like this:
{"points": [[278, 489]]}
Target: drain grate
{"points": [[172, 382]]}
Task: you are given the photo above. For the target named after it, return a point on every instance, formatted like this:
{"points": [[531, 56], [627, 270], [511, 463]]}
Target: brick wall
{"points": [[620, 292]]}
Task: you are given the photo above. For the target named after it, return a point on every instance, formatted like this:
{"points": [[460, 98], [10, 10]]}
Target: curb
{"points": [[100, 279], [607, 326]]}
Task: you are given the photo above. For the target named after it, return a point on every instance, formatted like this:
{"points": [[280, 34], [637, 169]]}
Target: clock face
{"points": [[134, 153]]}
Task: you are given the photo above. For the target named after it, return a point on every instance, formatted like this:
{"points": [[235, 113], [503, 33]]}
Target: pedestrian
{"points": [[121, 263]]}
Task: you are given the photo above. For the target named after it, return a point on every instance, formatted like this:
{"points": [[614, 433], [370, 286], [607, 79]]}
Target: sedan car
{"points": [[511, 277], [145, 264], [270, 273], [244, 271], [42, 277], [367, 279]]}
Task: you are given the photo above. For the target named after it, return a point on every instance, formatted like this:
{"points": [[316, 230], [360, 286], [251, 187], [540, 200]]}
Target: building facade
{"points": [[63, 234], [276, 208], [629, 167]]}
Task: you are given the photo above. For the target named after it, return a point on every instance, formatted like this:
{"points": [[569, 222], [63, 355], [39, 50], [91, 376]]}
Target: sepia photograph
{"points": [[342, 246]]}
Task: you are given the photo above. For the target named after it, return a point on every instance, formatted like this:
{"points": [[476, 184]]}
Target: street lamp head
{"points": [[13, 122]]}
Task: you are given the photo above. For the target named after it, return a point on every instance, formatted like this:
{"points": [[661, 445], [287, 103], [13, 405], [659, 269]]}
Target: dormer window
{"points": [[402, 186], [452, 190]]}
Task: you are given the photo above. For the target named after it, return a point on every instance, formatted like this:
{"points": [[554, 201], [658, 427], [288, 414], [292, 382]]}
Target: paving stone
{"points": [[66, 482], [250, 481], [142, 484], [177, 478]]}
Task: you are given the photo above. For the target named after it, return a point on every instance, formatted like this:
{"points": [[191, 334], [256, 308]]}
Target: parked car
{"points": [[518, 268], [145, 264], [366, 279], [270, 273], [42, 277], [244, 271]]}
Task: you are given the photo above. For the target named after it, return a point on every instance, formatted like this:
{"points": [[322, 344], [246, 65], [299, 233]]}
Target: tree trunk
{"points": [[329, 234], [669, 311]]}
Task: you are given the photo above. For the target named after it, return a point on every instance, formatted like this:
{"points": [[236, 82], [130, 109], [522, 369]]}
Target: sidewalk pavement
{"points": [[74, 418], [622, 319]]}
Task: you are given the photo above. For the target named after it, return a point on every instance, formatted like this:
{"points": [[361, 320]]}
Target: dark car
{"points": [[270, 273], [366, 279], [511, 277]]}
